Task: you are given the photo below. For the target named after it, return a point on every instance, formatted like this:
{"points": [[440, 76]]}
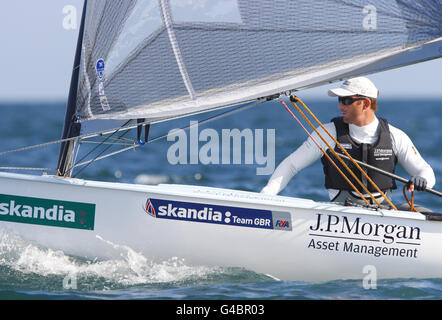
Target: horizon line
{"points": [[305, 95]]}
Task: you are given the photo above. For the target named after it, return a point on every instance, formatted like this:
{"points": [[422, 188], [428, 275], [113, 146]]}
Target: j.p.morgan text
{"points": [[342, 225]]}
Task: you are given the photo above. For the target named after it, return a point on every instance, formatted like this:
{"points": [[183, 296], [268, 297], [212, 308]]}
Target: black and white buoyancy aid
{"points": [[379, 154]]}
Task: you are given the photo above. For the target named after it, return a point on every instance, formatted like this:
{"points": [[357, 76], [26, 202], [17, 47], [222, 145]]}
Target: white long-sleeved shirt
{"points": [[308, 153]]}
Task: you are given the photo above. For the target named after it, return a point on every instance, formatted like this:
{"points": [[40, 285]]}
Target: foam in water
{"points": [[131, 269]]}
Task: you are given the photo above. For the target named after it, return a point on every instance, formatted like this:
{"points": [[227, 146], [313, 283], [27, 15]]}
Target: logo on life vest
{"points": [[383, 154]]}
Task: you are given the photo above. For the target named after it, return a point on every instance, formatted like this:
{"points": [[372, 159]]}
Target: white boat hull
{"points": [[287, 238]]}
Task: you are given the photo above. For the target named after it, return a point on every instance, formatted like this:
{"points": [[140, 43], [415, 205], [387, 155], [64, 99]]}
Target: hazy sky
{"points": [[37, 55]]}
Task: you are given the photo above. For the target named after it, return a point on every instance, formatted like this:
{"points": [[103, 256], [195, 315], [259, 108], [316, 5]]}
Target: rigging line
{"points": [[105, 156], [94, 159], [26, 168], [86, 136], [122, 139], [109, 131], [45, 144], [346, 153], [239, 108], [410, 203], [216, 117], [113, 143], [219, 116], [326, 154], [37, 146], [334, 152], [107, 138], [77, 151]]}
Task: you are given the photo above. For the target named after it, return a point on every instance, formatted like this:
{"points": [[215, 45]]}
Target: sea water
{"points": [[30, 271]]}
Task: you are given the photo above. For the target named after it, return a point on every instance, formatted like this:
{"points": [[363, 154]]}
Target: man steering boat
{"points": [[366, 138]]}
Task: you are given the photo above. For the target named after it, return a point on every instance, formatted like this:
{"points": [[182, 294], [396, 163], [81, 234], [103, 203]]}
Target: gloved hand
{"points": [[419, 183]]}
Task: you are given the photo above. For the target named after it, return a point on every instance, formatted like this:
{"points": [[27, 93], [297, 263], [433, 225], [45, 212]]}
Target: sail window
{"points": [[143, 21], [205, 11]]}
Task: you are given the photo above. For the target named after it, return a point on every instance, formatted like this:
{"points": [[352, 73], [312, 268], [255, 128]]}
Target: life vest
{"points": [[379, 154]]}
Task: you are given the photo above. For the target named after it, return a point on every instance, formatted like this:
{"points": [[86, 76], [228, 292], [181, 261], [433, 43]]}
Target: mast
{"points": [[71, 127]]}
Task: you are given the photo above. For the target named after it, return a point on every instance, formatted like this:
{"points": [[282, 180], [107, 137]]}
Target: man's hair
{"points": [[374, 103]]}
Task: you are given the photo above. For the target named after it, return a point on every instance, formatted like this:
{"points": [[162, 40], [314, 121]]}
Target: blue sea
{"points": [[29, 271]]}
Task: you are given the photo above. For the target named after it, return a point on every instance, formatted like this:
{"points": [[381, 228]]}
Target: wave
{"points": [[28, 266], [28, 270]]}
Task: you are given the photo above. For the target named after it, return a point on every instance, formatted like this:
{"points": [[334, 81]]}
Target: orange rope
{"points": [[410, 203], [337, 156], [346, 153], [326, 154]]}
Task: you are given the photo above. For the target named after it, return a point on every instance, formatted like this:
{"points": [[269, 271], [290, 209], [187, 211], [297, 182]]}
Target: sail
{"points": [[161, 59]]}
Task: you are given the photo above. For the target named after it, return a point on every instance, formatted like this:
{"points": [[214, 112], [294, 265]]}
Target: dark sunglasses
{"points": [[346, 101]]}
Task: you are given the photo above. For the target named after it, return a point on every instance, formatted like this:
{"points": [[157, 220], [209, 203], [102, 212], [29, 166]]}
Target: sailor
{"points": [[366, 138]]}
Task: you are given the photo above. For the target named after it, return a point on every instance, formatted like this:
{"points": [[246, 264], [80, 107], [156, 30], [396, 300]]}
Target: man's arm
{"points": [[302, 157], [410, 158]]}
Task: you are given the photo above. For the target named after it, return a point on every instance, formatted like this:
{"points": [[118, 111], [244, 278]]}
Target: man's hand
{"points": [[418, 183]]}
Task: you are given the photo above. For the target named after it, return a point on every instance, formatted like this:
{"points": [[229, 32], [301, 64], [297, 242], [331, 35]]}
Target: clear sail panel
{"points": [[159, 59]]}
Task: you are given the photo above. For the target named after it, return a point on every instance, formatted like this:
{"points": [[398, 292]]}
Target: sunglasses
{"points": [[346, 101]]}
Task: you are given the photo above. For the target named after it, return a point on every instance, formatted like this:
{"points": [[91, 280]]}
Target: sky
{"points": [[37, 53]]}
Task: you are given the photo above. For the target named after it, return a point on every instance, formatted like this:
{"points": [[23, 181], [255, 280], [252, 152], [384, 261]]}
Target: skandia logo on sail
{"points": [[226, 215], [47, 212]]}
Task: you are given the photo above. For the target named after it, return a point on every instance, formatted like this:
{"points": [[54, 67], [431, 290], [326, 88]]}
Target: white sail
{"points": [[162, 59]]}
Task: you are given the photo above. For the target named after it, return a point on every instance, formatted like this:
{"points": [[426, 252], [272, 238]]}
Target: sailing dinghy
{"points": [[141, 62]]}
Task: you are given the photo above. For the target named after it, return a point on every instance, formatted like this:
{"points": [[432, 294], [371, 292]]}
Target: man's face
{"points": [[352, 110]]}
